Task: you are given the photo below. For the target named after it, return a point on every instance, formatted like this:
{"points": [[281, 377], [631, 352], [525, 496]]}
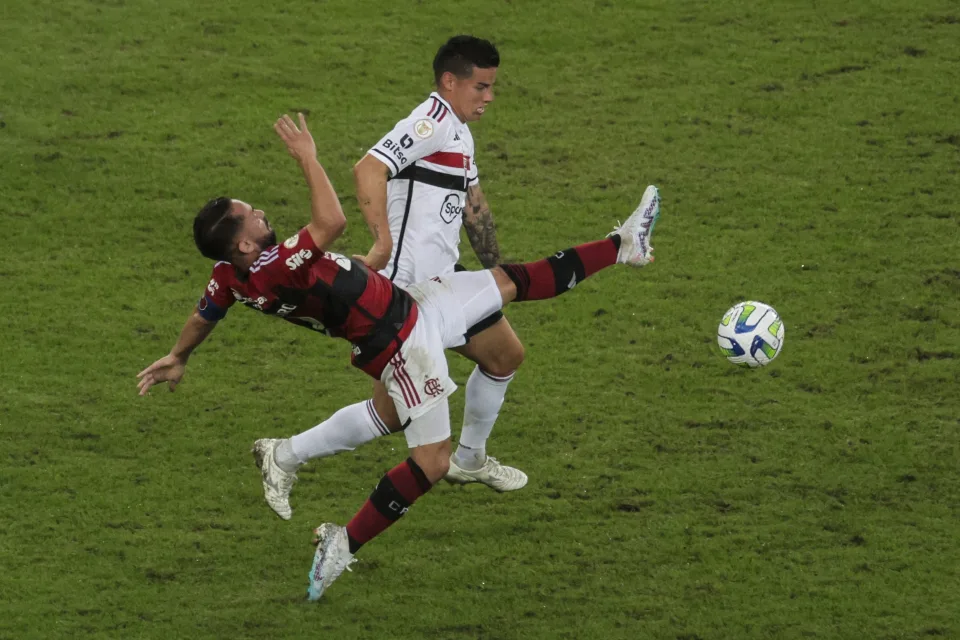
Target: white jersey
{"points": [[430, 157]]}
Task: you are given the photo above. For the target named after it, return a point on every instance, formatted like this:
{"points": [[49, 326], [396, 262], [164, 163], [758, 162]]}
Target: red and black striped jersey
{"points": [[318, 290]]}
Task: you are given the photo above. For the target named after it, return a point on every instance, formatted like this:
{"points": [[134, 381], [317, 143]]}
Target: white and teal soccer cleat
{"points": [[636, 232], [492, 473], [277, 483], [330, 559]]}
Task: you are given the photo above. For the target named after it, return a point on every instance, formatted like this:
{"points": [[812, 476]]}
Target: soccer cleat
{"points": [[330, 559], [492, 473], [636, 232], [277, 483]]}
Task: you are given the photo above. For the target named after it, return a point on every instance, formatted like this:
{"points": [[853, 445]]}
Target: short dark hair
{"points": [[214, 229], [460, 54]]}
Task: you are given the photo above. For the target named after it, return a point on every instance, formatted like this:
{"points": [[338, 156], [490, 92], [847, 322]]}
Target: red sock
{"points": [[394, 494], [561, 272]]}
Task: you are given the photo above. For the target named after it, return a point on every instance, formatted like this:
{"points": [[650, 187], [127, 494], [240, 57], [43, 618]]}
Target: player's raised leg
{"points": [[627, 244]]}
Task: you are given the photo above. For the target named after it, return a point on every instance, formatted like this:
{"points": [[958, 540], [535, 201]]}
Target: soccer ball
{"points": [[750, 334]]}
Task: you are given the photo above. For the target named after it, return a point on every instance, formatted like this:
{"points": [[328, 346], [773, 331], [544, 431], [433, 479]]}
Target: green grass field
{"points": [[808, 156]]}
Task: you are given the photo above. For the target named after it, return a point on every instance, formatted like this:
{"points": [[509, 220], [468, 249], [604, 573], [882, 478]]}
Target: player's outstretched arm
{"points": [[327, 221], [482, 232], [370, 176], [170, 368]]}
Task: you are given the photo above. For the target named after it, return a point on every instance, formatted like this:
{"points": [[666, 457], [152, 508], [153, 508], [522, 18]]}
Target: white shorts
{"points": [[417, 377]]}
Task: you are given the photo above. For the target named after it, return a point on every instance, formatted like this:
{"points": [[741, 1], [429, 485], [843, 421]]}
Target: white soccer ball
{"points": [[750, 334]]}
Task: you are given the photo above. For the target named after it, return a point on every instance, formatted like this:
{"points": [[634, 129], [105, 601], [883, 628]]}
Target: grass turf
{"points": [[808, 158]]}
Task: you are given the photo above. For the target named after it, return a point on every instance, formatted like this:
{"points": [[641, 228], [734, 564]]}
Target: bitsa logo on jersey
{"points": [[292, 241], [423, 129]]}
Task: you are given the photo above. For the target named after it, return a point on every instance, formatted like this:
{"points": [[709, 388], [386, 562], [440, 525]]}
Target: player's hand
{"points": [[375, 259], [299, 142], [167, 369]]}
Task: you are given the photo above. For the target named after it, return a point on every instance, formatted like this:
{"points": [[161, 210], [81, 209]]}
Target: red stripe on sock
{"points": [[597, 255], [367, 524], [541, 281], [405, 481], [542, 285]]}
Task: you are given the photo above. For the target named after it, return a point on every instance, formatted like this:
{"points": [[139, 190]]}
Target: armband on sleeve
{"points": [[210, 311]]}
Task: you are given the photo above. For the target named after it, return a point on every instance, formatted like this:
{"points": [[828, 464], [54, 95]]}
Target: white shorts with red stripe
{"points": [[417, 377]]}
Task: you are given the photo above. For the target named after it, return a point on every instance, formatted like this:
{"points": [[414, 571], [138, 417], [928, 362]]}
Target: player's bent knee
{"points": [[503, 360], [433, 460], [512, 357], [441, 467], [428, 436]]}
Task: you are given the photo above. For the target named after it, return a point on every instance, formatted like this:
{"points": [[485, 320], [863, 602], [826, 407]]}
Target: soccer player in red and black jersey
{"points": [[398, 335], [417, 188]]}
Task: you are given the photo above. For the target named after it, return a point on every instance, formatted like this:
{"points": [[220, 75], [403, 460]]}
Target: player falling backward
{"points": [[398, 335], [416, 187]]}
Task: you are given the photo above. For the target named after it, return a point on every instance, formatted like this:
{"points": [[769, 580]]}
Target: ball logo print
{"points": [[750, 334]]}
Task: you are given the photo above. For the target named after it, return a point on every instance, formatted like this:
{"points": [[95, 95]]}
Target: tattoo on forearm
{"points": [[376, 232], [481, 229]]}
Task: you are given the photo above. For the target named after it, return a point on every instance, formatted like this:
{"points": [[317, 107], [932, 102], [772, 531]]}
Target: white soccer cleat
{"points": [[277, 483], [636, 232], [492, 473], [330, 559]]}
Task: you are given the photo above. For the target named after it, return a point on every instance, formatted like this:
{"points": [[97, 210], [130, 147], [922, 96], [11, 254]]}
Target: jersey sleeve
{"points": [[216, 298], [410, 140]]}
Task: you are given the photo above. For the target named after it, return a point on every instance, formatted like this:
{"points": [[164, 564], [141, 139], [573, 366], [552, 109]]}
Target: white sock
{"points": [[345, 430], [284, 456], [484, 398]]}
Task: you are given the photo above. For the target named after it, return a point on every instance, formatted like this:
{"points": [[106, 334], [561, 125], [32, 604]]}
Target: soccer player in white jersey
{"points": [[416, 188]]}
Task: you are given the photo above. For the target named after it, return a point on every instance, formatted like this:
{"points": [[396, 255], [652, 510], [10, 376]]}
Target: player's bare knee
{"points": [[433, 460], [498, 350], [504, 361], [512, 357], [442, 466]]}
